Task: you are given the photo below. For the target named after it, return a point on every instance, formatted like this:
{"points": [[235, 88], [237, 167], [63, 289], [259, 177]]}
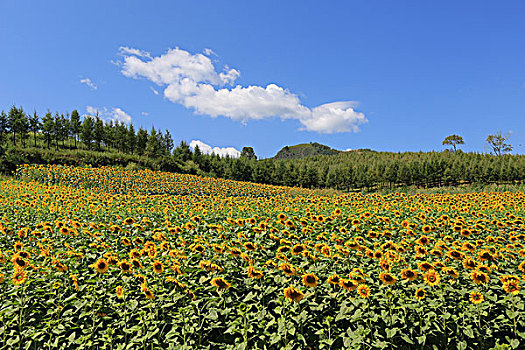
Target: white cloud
{"points": [[209, 52], [223, 152], [192, 81], [124, 50], [145, 114], [89, 83], [154, 91], [115, 114]]}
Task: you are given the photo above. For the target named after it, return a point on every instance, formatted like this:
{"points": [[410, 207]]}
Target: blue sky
{"points": [[416, 71]]}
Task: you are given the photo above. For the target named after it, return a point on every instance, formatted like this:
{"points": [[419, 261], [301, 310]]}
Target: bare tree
{"points": [[498, 143]]}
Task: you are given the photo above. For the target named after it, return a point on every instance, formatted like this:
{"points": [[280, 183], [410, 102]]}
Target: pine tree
{"points": [[35, 125], [153, 146], [75, 125], [168, 142], [142, 140], [3, 128], [131, 139], [86, 133], [48, 126], [98, 132]]}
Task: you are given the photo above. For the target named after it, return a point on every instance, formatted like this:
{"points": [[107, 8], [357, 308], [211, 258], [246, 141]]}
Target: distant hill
{"points": [[304, 150]]}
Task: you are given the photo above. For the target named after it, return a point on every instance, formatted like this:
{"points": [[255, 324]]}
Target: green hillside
{"points": [[304, 150]]}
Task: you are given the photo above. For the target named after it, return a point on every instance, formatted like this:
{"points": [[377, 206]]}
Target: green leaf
{"points": [[390, 333], [71, 337], [468, 332], [462, 345], [514, 343]]}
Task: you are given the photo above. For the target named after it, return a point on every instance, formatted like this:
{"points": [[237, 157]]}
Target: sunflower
{"points": [[476, 297], [420, 294], [521, 266], [325, 250], [158, 267], [20, 263], [454, 254], [363, 290], [425, 266], [101, 265], [469, 263], [18, 246], [298, 249], [125, 266], [310, 280], [378, 255], [2, 278], [148, 293], [19, 277], [289, 223], [250, 246], [120, 292], [513, 287], [334, 279], [479, 277], [253, 273], [129, 221], [348, 284], [141, 278], [387, 278], [136, 263], [199, 248], [287, 269], [409, 274], [486, 256], [220, 283], [293, 294], [451, 272], [432, 278]]}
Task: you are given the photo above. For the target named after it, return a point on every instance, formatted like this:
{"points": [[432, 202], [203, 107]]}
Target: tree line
{"points": [[102, 142]]}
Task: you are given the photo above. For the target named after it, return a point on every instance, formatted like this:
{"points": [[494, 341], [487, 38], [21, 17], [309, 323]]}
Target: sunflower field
{"points": [[105, 258]]}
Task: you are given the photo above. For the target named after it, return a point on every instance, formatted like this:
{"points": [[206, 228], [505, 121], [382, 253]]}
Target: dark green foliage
{"points": [[248, 153], [305, 150], [307, 165]]}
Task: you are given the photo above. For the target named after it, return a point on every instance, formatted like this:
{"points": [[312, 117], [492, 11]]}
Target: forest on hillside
{"points": [[75, 140]]}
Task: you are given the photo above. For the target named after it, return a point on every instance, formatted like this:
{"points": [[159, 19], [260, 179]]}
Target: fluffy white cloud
{"points": [[193, 81], [116, 114], [89, 83], [223, 152], [145, 114]]}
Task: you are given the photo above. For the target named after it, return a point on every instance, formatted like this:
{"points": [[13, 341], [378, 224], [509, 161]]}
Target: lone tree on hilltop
{"points": [[453, 140], [498, 143], [248, 152]]}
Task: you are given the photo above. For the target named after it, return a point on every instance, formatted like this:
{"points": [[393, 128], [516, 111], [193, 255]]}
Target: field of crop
{"points": [[112, 259]]}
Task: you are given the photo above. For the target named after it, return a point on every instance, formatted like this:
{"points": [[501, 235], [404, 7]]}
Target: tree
{"points": [[75, 125], [142, 140], [48, 125], [153, 145], [453, 140], [498, 143], [98, 132], [248, 152], [35, 125], [168, 142], [86, 132], [4, 123], [131, 139]]}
